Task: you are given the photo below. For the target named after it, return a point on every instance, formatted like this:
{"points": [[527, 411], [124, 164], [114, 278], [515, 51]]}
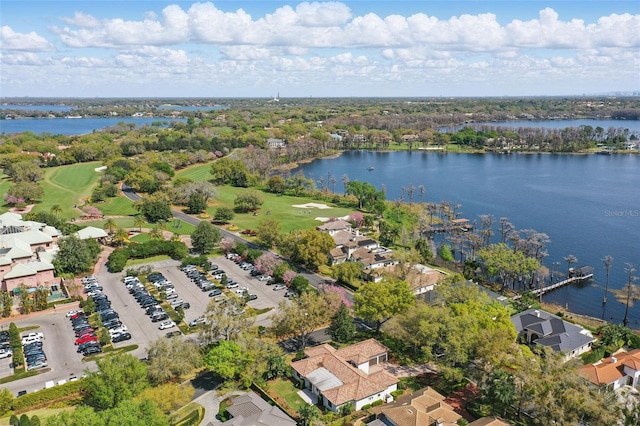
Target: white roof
{"points": [[27, 269], [91, 232], [324, 379]]}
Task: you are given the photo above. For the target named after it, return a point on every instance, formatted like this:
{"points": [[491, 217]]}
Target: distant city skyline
{"points": [[318, 49]]}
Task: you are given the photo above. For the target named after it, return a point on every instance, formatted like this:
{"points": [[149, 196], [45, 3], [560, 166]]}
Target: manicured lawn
{"points": [[68, 186], [282, 388], [199, 172], [280, 208], [174, 225], [117, 206], [5, 184]]}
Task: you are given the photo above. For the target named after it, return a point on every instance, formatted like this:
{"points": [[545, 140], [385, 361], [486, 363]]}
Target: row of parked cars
{"points": [[202, 281], [34, 355], [147, 301], [5, 345], [118, 332]]}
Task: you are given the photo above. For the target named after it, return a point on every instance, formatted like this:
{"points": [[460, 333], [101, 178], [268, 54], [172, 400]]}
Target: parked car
{"points": [[185, 305], [87, 338], [264, 277], [197, 322], [253, 296], [232, 285], [167, 324], [216, 292], [160, 317], [83, 346], [92, 350], [5, 353], [176, 302], [74, 312], [120, 337], [254, 273], [290, 293], [174, 333], [279, 287]]}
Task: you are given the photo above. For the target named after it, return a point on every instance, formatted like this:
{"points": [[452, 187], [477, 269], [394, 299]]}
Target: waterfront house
{"points": [[425, 407], [276, 143], [618, 370], [537, 327], [351, 375]]}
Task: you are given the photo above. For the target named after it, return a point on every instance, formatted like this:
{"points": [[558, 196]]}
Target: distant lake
{"points": [[190, 107], [73, 126], [589, 205], [60, 108]]}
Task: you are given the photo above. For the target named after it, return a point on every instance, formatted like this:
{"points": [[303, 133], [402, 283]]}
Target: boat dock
{"points": [[575, 275]]}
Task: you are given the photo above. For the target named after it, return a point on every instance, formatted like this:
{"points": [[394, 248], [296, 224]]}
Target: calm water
{"points": [[589, 205], [73, 126]]}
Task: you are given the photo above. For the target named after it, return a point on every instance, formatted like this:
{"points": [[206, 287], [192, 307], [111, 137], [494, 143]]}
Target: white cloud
{"points": [[24, 58], [82, 20], [31, 42]]}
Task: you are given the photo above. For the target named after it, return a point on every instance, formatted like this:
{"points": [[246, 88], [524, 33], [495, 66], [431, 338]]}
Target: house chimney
{"points": [[613, 360]]}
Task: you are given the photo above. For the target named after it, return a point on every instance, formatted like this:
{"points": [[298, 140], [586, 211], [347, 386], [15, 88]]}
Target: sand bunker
{"points": [[311, 205], [327, 219]]}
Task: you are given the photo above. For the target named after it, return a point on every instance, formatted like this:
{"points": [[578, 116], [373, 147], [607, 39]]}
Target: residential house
{"points": [[91, 232], [618, 370], [26, 251], [537, 327], [276, 143], [251, 410], [335, 226], [425, 407], [489, 421], [353, 374], [423, 279]]}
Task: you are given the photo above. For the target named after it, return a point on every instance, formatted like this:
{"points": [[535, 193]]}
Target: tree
{"points": [[26, 302], [224, 321], [608, 260], [7, 303], [365, 193], [502, 261], [268, 232], [196, 203], [631, 291], [299, 284], [309, 247], [168, 397], [300, 317], [6, 401], [110, 225], [276, 184], [139, 221], [41, 298], [119, 378], [342, 328], [56, 209], [347, 272], [24, 171], [570, 260], [501, 391], [248, 201], [120, 236], [378, 302], [26, 191], [75, 255], [154, 207], [223, 214], [169, 359], [205, 237], [267, 263], [308, 414], [225, 359]]}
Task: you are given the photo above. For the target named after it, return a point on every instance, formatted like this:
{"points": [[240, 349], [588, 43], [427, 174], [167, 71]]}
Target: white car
{"points": [[167, 324], [5, 353], [264, 277], [232, 285], [176, 302], [73, 312], [197, 321], [279, 287], [241, 290], [118, 330]]}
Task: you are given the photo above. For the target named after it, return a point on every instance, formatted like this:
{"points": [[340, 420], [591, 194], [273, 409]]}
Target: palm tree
{"points": [[422, 191], [110, 225], [570, 259], [120, 236], [56, 209], [608, 260], [156, 233], [138, 220]]}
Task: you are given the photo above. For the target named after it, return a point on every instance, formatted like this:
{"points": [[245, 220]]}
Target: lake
{"points": [[73, 126], [589, 205]]}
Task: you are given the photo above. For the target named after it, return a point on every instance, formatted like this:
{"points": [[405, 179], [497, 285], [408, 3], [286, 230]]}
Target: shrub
{"points": [[46, 396], [376, 403]]}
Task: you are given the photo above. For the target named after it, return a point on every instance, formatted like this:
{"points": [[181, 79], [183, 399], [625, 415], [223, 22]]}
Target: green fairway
{"points": [[67, 186], [280, 208], [117, 206], [199, 172], [5, 184]]}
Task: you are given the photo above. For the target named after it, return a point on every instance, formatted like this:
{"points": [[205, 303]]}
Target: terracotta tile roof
{"points": [[356, 384], [611, 369], [489, 421], [419, 408]]}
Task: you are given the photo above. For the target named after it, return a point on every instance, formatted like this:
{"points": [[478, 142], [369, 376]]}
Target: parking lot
{"points": [[58, 343]]}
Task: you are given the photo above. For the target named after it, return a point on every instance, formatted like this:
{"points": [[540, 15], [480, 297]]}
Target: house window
{"points": [[54, 288]]}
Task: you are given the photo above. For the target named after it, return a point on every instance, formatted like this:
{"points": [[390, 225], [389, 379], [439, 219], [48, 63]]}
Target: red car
{"points": [[86, 338]]}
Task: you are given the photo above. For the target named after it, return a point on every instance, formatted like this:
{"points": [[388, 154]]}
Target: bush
{"points": [[46, 396], [376, 403]]}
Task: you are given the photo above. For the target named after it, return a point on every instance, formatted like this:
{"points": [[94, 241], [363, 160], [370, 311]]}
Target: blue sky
{"points": [[299, 49]]}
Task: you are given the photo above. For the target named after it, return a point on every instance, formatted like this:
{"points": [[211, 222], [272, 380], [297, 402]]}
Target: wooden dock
{"points": [[543, 290]]}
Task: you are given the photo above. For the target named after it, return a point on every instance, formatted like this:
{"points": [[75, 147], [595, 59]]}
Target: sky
{"points": [[371, 48]]}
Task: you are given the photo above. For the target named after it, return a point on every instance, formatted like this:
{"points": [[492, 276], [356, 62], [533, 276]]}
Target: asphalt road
{"points": [[314, 279]]}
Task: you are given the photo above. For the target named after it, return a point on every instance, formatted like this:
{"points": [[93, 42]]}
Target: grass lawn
{"points": [[68, 186], [135, 262], [42, 413], [199, 172], [282, 388], [5, 184], [174, 225], [280, 208], [117, 206]]}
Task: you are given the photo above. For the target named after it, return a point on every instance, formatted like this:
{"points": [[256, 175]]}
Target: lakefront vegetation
{"points": [[231, 168]]}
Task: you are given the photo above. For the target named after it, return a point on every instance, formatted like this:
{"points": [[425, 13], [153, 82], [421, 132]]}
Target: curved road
{"points": [[314, 279]]}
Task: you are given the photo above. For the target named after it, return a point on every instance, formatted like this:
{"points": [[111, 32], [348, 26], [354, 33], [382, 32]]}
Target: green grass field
{"points": [[117, 206], [280, 208], [199, 172], [68, 186]]}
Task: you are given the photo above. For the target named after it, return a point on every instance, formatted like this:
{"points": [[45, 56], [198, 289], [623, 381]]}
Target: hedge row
{"points": [[47, 396], [118, 258]]}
